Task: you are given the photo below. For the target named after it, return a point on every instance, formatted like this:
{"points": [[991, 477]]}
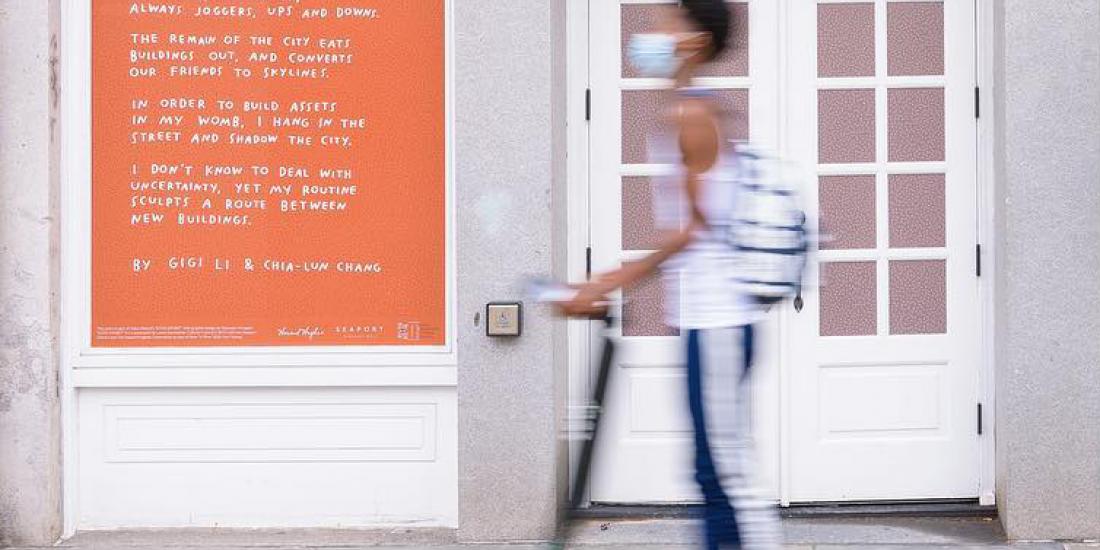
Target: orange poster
{"points": [[268, 173]]}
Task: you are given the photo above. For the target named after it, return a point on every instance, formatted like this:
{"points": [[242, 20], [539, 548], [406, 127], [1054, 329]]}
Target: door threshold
{"points": [[925, 508], [940, 508]]}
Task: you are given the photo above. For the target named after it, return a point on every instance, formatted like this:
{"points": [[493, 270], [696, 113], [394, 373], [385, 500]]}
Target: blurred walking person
{"points": [[695, 207]]}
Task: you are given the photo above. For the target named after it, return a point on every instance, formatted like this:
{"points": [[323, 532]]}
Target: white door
{"points": [[645, 453], [884, 356], [870, 391]]}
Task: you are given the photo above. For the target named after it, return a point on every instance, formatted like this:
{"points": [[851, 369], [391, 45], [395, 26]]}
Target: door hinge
{"points": [[588, 263], [978, 260], [977, 102], [979, 419], [588, 104]]}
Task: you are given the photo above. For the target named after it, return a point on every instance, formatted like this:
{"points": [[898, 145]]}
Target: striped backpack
{"points": [[769, 228]]}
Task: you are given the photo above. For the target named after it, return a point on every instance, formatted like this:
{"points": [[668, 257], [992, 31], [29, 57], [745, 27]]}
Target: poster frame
{"points": [[75, 124]]}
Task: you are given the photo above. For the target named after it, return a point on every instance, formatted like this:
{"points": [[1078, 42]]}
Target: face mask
{"points": [[653, 55]]}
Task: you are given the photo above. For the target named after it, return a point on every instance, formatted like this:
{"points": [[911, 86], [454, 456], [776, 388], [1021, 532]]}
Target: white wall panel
{"points": [[328, 457]]}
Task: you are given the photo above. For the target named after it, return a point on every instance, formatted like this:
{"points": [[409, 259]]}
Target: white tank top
{"points": [[700, 290]]}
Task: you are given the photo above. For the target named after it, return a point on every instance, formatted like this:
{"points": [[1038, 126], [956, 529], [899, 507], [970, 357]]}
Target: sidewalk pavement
{"points": [[831, 533]]}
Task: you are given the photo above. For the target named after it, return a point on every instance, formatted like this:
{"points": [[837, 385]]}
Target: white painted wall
{"points": [[251, 457]]}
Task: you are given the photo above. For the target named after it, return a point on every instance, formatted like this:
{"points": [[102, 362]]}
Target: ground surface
{"points": [[653, 534]]}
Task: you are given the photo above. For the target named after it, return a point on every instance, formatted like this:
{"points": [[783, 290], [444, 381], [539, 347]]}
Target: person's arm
{"points": [[699, 146]]}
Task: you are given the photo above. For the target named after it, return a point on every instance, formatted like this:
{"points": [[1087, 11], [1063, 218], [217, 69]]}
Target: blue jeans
{"points": [[718, 366]]}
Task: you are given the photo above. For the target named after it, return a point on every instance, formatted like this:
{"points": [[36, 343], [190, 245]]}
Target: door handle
{"points": [[798, 302]]}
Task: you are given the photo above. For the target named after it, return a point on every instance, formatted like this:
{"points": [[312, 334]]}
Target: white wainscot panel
{"points": [[304, 457], [658, 403], [270, 432], [882, 401]]}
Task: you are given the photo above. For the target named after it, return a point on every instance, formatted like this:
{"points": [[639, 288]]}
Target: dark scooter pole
{"points": [[580, 480]]}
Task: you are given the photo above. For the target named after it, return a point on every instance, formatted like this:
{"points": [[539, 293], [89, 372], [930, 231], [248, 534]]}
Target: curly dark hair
{"points": [[713, 17]]}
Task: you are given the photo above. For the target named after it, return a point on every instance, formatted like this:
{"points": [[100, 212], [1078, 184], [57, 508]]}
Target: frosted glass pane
{"points": [[916, 121], [846, 126], [847, 211], [915, 38], [641, 18], [639, 229], [918, 297], [849, 300], [641, 112], [644, 310], [735, 60], [845, 40], [917, 210]]}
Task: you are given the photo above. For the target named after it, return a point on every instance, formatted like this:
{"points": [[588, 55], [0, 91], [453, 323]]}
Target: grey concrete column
{"points": [[510, 155], [30, 476], [1047, 287]]}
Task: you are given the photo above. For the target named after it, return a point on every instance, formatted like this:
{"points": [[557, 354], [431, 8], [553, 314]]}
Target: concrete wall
{"points": [[30, 480], [1048, 297], [509, 163], [509, 153]]}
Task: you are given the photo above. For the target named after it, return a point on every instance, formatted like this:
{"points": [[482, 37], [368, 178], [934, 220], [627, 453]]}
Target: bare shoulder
{"points": [[688, 111], [696, 112], [698, 135]]}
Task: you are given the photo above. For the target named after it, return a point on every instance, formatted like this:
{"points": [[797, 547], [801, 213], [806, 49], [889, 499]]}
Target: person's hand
{"points": [[591, 298], [589, 301]]}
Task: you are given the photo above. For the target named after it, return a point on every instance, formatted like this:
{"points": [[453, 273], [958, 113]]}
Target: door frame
{"points": [[985, 94], [578, 232], [578, 237]]}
